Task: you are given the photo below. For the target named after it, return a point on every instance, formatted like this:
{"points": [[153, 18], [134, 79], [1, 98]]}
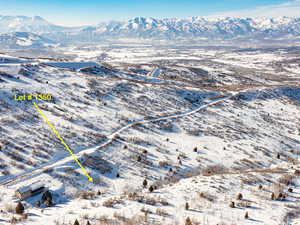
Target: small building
{"points": [[29, 191]]}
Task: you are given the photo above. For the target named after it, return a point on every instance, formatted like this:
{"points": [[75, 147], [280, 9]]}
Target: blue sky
{"points": [[83, 12]]}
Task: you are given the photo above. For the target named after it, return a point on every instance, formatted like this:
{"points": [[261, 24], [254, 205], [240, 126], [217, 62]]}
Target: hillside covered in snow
{"points": [[171, 135]]}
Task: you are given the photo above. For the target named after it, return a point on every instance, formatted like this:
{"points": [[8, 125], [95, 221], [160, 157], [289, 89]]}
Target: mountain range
{"points": [[219, 28]]}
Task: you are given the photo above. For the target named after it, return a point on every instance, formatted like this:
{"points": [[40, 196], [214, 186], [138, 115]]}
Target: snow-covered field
{"points": [[214, 132]]}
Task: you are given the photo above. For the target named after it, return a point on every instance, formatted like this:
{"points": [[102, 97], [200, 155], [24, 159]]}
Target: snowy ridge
{"points": [[169, 28], [23, 39], [205, 27]]}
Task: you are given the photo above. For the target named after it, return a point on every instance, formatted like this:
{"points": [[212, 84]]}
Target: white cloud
{"points": [[291, 9]]}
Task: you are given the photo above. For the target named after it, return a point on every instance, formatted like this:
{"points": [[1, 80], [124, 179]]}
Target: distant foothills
{"points": [[196, 28]]}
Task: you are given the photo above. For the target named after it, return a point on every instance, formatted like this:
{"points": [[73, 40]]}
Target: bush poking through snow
{"points": [[239, 196], [151, 189], [139, 158], [232, 205], [187, 206], [188, 221], [246, 215], [206, 196], [20, 208], [48, 203], [273, 196], [278, 156], [145, 183], [47, 199], [86, 195], [110, 203], [76, 222], [163, 164], [278, 192], [214, 169], [162, 212], [287, 179]]}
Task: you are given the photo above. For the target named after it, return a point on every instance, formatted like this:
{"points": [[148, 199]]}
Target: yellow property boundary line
{"points": [[63, 142]]}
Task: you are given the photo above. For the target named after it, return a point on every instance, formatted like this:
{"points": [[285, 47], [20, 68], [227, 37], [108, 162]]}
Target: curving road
{"points": [[110, 138]]}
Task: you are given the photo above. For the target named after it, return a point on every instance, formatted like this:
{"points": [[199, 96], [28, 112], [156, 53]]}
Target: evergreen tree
{"points": [[76, 222], [145, 183]]}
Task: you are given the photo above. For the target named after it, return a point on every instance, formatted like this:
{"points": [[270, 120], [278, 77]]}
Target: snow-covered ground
{"points": [[201, 126]]}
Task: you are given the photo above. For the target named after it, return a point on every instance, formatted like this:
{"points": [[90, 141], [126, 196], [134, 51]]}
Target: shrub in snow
{"points": [[287, 179], [187, 206], [13, 220], [239, 196], [151, 188], [278, 191], [47, 196], [246, 215], [112, 202], [48, 203], [297, 172], [161, 212], [139, 158], [76, 222], [206, 196], [145, 183], [232, 205], [20, 208], [188, 221], [163, 164], [86, 195], [273, 196]]}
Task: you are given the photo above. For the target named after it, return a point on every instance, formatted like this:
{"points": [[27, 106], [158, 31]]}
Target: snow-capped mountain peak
{"points": [[151, 28]]}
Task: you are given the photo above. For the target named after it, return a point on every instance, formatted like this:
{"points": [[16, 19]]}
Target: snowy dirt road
{"points": [[109, 140]]}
